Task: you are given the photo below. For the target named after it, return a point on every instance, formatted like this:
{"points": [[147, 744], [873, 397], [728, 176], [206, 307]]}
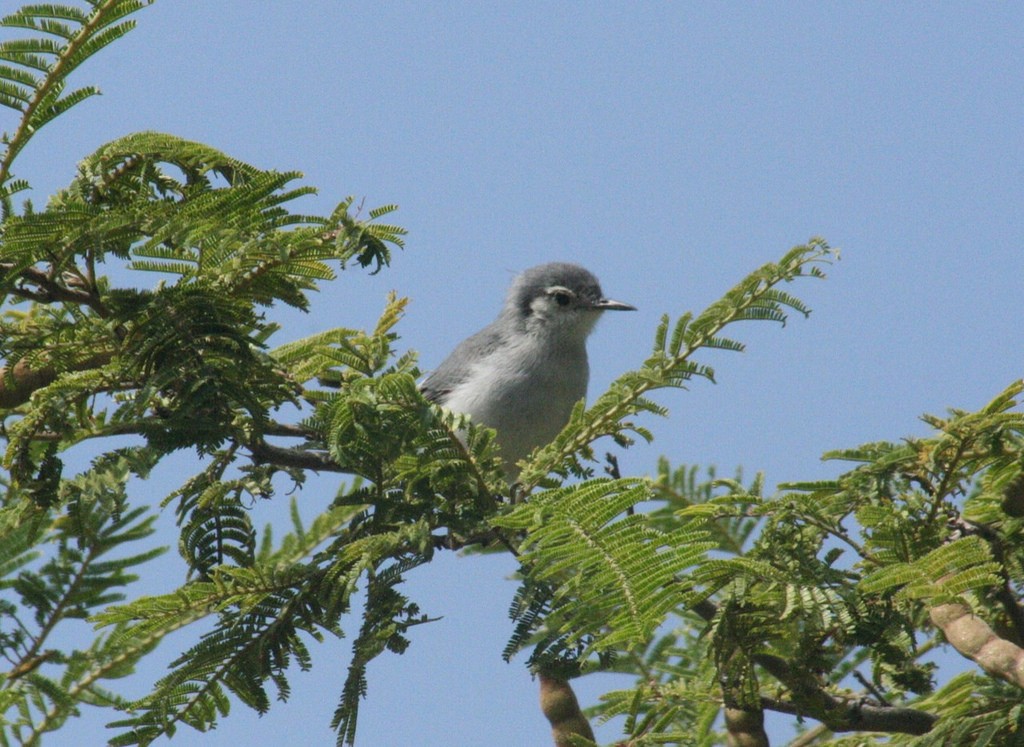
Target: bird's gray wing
{"points": [[456, 368]]}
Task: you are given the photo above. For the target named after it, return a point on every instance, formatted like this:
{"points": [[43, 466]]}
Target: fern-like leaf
{"points": [[65, 38], [610, 572]]}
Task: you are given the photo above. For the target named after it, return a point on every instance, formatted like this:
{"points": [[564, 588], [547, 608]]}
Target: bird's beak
{"points": [[606, 304]]}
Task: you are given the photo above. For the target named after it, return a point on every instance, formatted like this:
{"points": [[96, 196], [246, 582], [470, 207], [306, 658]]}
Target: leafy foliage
{"points": [[35, 70], [822, 601], [836, 589], [83, 571], [620, 575]]}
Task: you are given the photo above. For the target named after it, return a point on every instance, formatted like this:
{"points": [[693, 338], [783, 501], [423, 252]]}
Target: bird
{"points": [[524, 372]]}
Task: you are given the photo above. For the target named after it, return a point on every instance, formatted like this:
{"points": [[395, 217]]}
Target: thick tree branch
{"points": [[17, 383], [1004, 594], [837, 713], [561, 708], [745, 728], [842, 714], [972, 637]]}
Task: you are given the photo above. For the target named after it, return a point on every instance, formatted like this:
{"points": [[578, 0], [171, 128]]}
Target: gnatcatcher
{"points": [[522, 374]]}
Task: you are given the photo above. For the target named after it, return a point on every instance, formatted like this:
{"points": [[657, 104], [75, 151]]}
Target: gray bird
{"points": [[522, 374]]}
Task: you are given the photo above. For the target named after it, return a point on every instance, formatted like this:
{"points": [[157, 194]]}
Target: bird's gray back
{"points": [[456, 368]]}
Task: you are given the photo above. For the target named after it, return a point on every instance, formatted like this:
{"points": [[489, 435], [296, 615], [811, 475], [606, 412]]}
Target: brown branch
{"points": [[1004, 594], [1013, 497], [294, 458], [809, 699], [286, 429], [810, 736], [49, 290], [857, 715], [972, 637], [484, 539], [17, 383], [745, 728], [839, 713], [561, 708]]}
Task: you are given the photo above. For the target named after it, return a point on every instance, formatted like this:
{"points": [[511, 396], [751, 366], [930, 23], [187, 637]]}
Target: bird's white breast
{"points": [[526, 392]]}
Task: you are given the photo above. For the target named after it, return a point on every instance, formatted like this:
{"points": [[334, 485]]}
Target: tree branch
{"points": [[745, 727], [294, 458], [861, 716], [972, 637], [49, 290], [1004, 594], [837, 713], [17, 383], [286, 429], [561, 708]]}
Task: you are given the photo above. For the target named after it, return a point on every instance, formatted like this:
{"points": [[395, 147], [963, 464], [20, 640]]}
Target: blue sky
{"points": [[671, 148]]}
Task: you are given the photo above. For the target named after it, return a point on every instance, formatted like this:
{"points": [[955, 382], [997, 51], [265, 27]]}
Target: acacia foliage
{"points": [[820, 601], [828, 599]]}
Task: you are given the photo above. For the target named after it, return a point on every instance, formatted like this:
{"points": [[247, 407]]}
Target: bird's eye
{"points": [[563, 298]]}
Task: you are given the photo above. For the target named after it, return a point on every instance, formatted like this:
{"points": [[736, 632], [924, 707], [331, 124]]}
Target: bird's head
{"points": [[560, 299]]}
